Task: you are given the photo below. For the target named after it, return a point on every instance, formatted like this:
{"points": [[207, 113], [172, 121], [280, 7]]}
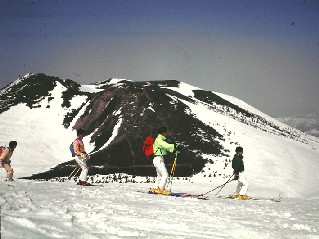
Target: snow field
{"points": [[31, 209]]}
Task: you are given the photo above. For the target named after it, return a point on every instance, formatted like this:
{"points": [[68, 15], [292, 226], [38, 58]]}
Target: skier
{"points": [[5, 159], [160, 149], [238, 166], [81, 157]]}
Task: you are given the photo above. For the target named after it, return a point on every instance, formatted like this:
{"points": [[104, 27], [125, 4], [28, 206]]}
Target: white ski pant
{"points": [[82, 163], [242, 186], [161, 171]]}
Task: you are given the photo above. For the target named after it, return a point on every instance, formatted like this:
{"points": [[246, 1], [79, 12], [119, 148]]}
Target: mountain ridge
{"points": [[307, 123]]}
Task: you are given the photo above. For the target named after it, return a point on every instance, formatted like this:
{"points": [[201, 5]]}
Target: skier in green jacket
{"points": [[239, 168], [161, 147]]}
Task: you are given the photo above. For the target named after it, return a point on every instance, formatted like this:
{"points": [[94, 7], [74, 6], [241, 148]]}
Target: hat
{"points": [[239, 149], [162, 129], [13, 144], [80, 131]]}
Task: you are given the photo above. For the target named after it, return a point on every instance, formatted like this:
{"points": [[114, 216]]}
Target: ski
{"points": [[187, 195], [91, 185], [182, 195], [230, 197]]}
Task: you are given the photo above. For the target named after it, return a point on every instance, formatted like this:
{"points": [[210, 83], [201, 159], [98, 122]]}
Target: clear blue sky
{"points": [[263, 52]]}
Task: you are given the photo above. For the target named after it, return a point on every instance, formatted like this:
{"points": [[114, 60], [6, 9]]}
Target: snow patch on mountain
{"points": [[184, 89], [249, 108], [114, 133], [42, 139], [114, 81], [16, 82], [90, 88]]}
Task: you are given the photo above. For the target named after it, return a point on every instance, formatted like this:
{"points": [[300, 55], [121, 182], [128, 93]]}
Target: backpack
{"points": [[147, 148], [72, 149]]}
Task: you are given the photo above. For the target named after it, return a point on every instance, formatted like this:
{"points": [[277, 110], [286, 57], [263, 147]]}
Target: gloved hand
{"points": [[236, 176], [177, 148], [84, 155]]}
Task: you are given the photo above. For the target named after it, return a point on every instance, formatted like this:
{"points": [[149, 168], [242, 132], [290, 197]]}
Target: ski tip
{"points": [[231, 197]]}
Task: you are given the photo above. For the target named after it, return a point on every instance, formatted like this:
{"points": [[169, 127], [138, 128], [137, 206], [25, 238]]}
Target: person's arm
{"points": [[166, 146]]}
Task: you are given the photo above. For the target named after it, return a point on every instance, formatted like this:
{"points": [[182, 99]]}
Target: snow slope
{"points": [[63, 210]]}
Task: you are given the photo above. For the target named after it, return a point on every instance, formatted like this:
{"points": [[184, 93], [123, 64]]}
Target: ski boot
{"points": [[83, 183], [243, 197], [235, 196], [162, 191]]}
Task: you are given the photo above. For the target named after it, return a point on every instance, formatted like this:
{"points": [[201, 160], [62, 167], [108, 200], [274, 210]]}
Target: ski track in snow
{"points": [[32, 209]]}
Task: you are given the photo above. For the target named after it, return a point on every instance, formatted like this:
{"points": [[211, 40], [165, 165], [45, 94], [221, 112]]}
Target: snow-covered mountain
{"points": [[41, 113], [308, 124]]}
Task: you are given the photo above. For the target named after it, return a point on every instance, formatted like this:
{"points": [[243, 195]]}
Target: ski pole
{"points": [[171, 177], [75, 168], [78, 170], [173, 168], [220, 186], [75, 171]]}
